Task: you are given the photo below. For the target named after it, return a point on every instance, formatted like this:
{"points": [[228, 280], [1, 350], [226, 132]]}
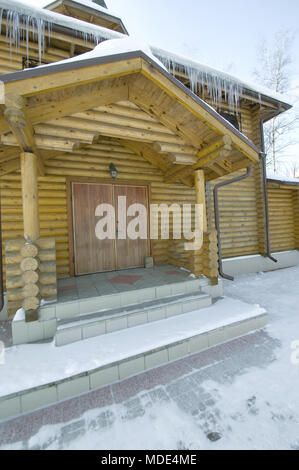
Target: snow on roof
{"points": [[43, 20], [280, 178], [199, 75], [111, 47], [90, 4], [215, 80]]}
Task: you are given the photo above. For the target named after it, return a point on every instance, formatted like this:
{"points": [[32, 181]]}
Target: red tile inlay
{"points": [[125, 279], [65, 288], [172, 272]]}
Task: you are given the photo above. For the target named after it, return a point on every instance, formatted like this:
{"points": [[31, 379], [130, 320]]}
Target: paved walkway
{"points": [[182, 384], [239, 395]]}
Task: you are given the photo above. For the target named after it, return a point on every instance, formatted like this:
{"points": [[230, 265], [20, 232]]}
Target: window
{"points": [[233, 118], [29, 63]]}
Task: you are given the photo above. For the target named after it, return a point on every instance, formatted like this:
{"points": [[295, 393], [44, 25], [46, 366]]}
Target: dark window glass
{"points": [[232, 118]]}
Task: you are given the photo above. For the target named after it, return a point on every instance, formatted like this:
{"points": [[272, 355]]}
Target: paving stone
{"points": [[72, 431], [186, 382]]}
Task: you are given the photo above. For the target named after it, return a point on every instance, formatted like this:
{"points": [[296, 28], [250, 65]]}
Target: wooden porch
{"points": [[74, 121]]}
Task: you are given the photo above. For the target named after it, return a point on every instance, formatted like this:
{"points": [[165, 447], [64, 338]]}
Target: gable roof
{"points": [[196, 72], [217, 146]]}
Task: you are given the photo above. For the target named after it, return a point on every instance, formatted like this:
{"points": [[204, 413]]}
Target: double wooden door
{"points": [[91, 254]]}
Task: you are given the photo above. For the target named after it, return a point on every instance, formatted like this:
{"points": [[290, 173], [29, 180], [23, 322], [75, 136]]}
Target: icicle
{"points": [[39, 23], [220, 87]]}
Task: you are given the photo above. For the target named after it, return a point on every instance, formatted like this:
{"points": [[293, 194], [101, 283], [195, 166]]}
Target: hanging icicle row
{"points": [[219, 87]]}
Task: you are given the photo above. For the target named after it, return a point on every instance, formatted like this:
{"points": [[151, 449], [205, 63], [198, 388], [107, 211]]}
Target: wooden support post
{"points": [[30, 196], [200, 194], [205, 260], [29, 253]]}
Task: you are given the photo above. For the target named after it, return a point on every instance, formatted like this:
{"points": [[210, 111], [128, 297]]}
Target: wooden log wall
{"points": [[238, 216], [283, 218], [94, 163], [12, 61], [296, 213]]}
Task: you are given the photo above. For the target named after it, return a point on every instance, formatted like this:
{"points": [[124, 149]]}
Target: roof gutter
{"points": [[217, 218]]}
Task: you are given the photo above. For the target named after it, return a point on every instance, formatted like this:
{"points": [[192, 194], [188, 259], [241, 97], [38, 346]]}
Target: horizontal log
{"points": [[45, 142], [47, 278], [48, 291], [120, 132], [47, 267], [57, 131]]}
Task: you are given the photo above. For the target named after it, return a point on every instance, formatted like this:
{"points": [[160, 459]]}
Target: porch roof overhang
{"points": [[200, 138]]}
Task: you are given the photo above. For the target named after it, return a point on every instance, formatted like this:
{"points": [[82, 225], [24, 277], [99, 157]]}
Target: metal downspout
{"points": [[217, 221], [265, 189], [1, 265]]}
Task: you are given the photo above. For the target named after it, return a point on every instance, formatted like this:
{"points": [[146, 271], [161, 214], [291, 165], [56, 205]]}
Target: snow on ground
{"points": [[52, 363], [240, 395]]}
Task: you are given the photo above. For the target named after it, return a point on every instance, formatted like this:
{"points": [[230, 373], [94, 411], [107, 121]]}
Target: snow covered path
{"points": [[240, 395]]}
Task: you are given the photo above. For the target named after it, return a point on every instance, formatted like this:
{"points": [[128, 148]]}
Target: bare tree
{"points": [[294, 168], [274, 72]]}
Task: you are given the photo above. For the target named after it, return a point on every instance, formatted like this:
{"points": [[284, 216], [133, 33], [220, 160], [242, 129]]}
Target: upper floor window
{"points": [[233, 118], [29, 63]]}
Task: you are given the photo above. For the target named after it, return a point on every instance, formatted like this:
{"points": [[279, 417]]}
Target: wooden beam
{"points": [[217, 150], [147, 152], [30, 196], [21, 127], [126, 121], [62, 79], [117, 131], [46, 143], [66, 133], [217, 144], [163, 147], [182, 159]]}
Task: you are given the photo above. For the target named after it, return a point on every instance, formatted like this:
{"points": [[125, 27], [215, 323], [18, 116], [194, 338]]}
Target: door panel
{"points": [[130, 253], [91, 254]]}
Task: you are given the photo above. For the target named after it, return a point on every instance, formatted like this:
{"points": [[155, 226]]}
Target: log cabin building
{"points": [[87, 116]]}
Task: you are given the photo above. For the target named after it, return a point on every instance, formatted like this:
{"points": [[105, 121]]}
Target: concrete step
{"points": [[107, 321]]}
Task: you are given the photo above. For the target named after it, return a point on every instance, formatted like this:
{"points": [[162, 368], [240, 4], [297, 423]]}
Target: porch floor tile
{"points": [[93, 285]]}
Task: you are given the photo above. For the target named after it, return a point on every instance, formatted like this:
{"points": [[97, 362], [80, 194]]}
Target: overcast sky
{"points": [[222, 34]]}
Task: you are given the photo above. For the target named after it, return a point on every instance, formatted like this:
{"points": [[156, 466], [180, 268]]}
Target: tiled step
{"points": [[66, 310], [107, 321]]}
